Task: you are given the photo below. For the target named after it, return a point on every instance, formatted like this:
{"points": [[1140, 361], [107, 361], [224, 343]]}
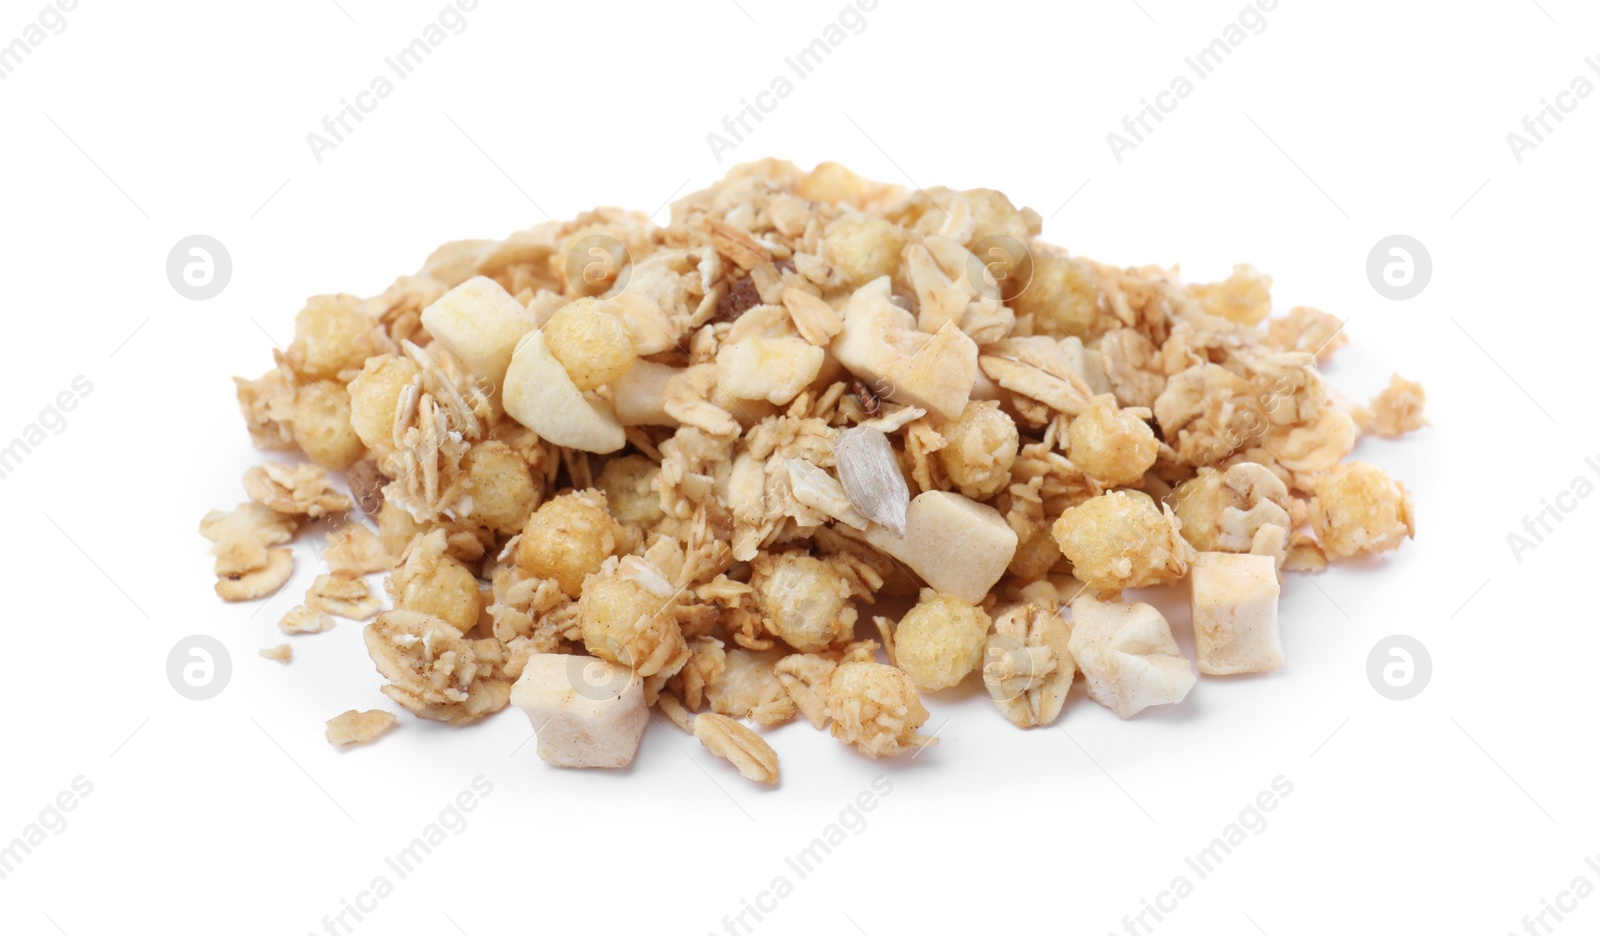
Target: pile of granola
{"points": [[612, 466]]}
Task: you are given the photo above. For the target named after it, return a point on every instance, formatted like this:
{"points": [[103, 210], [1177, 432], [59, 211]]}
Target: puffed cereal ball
{"points": [[981, 447], [1359, 509], [375, 395], [804, 601], [863, 247], [1113, 445], [993, 215], [1198, 502], [322, 425], [940, 641], [1122, 540], [627, 623], [331, 334], [396, 528], [502, 489], [1035, 556], [568, 538], [591, 343], [443, 588], [831, 182], [874, 707], [1061, 296], [626, 482], [1244, 297]]}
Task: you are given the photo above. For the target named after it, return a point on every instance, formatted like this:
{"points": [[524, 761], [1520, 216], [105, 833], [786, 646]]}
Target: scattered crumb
{"points": [[355, 727], [282, 653]]}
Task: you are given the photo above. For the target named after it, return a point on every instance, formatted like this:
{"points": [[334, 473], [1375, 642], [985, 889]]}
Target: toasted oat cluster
{"points": [[610, 467]]}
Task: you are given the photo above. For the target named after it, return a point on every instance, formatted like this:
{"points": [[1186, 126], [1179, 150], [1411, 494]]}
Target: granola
{"points": [[621, 466], [294, 489], [1028, 665]]}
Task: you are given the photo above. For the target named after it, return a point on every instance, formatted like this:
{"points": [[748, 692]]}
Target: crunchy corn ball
{"points": [[1394, 412], [627, 619], [322, 425], [1222, 511], [1310, 330], [591, 343], [940, 641], [375, 395], [627, 483], [992, 214], [396, 528], [503, 490], [1119, 540], [568, 538], [1244, 297], [831, 182], [1115, 446], [805, 602], [1198, 502], [1035, 555], [863, 247], [875, 707], [1061, 296], [331, 334], [981, 446], [1360, 509], [432, 583]]}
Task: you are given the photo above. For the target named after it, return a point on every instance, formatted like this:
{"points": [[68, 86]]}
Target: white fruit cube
{"points": [[771, 369], [1233, 601], [540, 395], [586, 712], [640, 395], [480, 323], [959, 546], [881, 345], [1127, 655]]}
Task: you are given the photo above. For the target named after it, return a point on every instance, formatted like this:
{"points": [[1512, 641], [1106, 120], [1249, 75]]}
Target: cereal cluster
{"points": [[611, 467]]}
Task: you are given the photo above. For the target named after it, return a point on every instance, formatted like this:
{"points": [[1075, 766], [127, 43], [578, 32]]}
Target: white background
{"points": [[1458, 811]]}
